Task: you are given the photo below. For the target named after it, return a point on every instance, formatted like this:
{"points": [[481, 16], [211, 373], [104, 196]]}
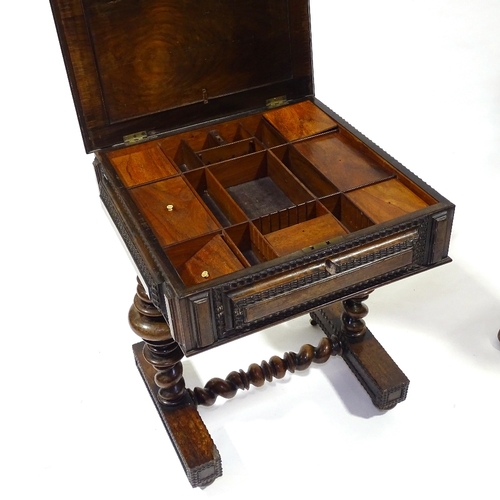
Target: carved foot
{"points": [[385, 383], [159, 361]]}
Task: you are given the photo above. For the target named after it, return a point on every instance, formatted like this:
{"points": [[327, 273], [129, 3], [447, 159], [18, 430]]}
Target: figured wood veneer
{"points": [[188, 218], [386, 201], [141, 164], [175, 52], [305, 234], [347, 163], [303, 119]]}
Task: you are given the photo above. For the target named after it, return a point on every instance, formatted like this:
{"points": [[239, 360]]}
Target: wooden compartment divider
{"points": [[304, 170], [229, 150], [246, 191], [251, 243], [217, 199]]}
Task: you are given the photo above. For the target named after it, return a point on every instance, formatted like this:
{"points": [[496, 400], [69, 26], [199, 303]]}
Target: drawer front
{"points": [[319, 280]]}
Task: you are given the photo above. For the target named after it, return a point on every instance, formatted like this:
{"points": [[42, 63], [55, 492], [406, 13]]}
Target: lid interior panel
{"points": [[160, 65]]}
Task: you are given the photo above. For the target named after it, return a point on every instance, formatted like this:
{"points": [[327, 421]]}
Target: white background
{"points": [[419, 78]]}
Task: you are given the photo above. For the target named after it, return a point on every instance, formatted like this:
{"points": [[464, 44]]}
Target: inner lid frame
{"points": [[161, 65]]}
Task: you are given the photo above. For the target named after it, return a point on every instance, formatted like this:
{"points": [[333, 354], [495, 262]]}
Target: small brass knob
{"points": [[205, 274], [170, 208]]}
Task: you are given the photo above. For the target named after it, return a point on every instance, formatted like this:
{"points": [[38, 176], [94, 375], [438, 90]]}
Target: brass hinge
{"points": [[135, 138], [275, 102]]}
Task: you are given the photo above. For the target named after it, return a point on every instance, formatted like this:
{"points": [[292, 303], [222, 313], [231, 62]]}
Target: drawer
{"points": [[319, 281]]}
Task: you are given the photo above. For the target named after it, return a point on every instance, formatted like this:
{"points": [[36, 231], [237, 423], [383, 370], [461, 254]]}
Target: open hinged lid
{"points": [[151, 66]]}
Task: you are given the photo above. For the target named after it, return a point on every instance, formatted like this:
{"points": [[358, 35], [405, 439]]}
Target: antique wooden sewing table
{"points": [[241, 198]]}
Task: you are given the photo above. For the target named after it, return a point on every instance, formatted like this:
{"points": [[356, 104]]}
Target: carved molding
{"points": [[414, 236], [153, 289]]}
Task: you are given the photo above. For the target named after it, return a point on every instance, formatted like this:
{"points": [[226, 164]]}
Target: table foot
{"points": [[377, 372], [196, 450], [159, 359]]}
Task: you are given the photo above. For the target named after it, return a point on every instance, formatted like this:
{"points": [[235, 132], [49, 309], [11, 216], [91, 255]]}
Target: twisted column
{"points": [[160, 349], [352, 318], [257, 375]]}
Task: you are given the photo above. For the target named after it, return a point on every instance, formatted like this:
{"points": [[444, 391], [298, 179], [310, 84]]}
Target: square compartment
{"points": [[205, 258], [260, 184]]}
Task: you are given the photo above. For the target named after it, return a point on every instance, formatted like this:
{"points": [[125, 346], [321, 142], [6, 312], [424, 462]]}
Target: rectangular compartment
{"points": [[299, 227], [141, 164], [185, 157], [300, 120], [387, 200], [173, 210], [344, 160], [260, 184], [215, 197], [225, 133]]}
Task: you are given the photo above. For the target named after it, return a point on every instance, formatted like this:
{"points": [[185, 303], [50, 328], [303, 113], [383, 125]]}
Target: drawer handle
{"points": [[369, 254], [330, 266]]}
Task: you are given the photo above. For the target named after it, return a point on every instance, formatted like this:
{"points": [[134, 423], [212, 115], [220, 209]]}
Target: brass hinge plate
{"points": [[135, 138], [275, 102]]}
